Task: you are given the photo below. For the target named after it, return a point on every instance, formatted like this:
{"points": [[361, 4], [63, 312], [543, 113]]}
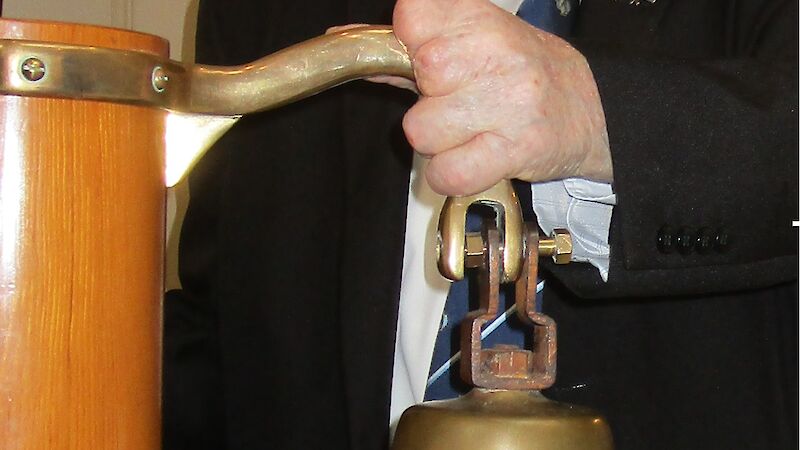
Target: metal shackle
{"points": [[453, 246]]}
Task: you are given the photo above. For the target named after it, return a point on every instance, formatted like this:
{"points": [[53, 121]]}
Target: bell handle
{"points": [[298, 71], [49, 69]]}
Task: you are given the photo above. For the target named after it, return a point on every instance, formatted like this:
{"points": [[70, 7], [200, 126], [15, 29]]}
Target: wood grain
{"points": [[81, 263]]}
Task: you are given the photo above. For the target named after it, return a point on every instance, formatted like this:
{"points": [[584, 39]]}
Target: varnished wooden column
{"points": [[81, 262]]}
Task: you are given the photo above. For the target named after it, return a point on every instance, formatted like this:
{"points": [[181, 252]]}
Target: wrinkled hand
{"points": [[498, 98]]}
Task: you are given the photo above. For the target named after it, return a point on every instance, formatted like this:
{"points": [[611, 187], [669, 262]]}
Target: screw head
{"points": [[160, 79], [33, 69]]}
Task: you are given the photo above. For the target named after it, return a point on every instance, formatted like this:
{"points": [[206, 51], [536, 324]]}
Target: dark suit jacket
{"points": [[283, 335]]}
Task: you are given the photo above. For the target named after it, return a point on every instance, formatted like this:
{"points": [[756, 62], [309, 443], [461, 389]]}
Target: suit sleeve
{"points": [[705, 154]]}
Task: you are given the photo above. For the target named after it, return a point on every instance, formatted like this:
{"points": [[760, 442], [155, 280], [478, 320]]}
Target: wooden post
{"points": [[81, 262]]}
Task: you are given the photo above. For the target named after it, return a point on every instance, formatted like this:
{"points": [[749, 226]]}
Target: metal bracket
{"points": [[453, 246], [508, 366]]}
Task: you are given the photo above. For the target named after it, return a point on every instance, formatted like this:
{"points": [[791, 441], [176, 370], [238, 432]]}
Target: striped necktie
{"points": [[554, 16]]}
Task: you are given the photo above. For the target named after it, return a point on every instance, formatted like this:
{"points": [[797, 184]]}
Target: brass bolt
{"points": [[474, 248], [160, 79], [558, 245], [33, 69]]}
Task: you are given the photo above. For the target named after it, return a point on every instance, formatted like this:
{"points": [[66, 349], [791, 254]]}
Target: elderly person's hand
{"points": [[499, 98]]}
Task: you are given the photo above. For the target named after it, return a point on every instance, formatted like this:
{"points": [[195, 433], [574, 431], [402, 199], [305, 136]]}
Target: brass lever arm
{"points": [[43, 69], [298, 71]]}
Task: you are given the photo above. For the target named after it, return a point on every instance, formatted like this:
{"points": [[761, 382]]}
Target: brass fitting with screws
{"points": [[160, 79]]}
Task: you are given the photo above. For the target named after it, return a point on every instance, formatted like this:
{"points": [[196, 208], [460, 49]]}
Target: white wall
{"points": [[171, 19], [165, 18], [114, 13]]}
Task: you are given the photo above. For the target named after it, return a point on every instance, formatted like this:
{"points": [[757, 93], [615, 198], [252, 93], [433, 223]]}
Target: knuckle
{"points": [[448, 179], [438, 67], [407, 30], [431, 59], [413, 129], [413, 22]]}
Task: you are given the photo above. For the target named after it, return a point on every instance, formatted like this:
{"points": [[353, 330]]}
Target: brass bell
{"points": [[505, 410], [500, 419]]}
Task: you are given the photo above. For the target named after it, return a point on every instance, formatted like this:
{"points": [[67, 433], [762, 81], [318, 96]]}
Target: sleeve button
{"points": [[705, 240], [685, 240], [666, 240], [722, 241]]}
